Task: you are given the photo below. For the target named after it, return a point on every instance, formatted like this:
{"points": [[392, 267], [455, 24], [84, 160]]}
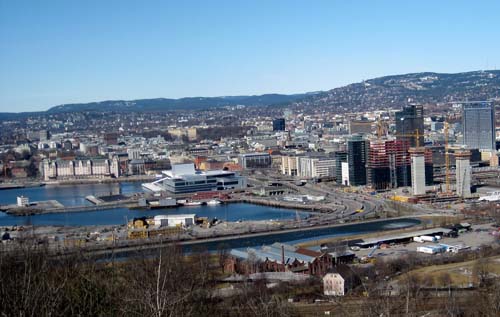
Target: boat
{"points": [[192, 203], [213, 202]]}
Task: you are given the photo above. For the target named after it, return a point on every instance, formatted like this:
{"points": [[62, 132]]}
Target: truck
{"points": [[418, 239], [428, 238]]}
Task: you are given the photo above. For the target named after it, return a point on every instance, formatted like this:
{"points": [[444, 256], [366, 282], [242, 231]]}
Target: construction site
{"points": [[401, 165]]}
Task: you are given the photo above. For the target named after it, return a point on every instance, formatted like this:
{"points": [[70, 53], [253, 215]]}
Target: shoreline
{"points": [[128, 179], [133, 204], [39, 183], [130, 246], [282, 204]]}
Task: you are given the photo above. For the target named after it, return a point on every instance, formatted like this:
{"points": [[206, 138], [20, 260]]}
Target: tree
{"points": [[481, 272]]}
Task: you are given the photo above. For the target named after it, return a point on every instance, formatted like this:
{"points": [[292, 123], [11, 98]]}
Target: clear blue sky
{"points": [[54, 52]]}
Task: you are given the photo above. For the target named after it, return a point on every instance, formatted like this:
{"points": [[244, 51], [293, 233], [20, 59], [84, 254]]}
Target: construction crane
{"points": [[415, 135], [382, 128]]}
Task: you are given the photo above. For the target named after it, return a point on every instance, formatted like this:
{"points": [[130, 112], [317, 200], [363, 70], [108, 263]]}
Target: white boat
{"points": [[192, 203], [213, 202], [494, 196]]}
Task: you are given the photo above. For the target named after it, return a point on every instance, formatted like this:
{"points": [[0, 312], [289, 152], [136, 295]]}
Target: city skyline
{"points": [[55, 53]]}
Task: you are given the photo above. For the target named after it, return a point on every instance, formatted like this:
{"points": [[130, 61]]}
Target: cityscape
{"points": [[375, 197]]}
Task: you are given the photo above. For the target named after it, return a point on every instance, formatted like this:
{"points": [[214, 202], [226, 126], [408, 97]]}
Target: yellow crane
{"points": [[382, 128], [415, 135]]}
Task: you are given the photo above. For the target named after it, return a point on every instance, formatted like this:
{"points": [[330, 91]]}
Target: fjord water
{"points": [[69, 195], [74, 195]]}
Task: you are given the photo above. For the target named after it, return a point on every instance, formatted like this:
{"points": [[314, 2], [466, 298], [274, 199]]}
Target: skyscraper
{"points": [[408, 122], [357, 150], [478, 124], [279, 124]]}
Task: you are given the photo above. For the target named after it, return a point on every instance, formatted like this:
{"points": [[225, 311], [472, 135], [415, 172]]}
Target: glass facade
{"points": [[408, 122], [478, 125]]}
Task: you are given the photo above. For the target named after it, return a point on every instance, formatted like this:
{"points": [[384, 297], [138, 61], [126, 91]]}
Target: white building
{"points": [[80, 168], [134, 154], [289, 165], [333, 284], [463, 173], [174, 220], [314, 166], [345, 174], [184, 178], [23, 201], [417, 171]]}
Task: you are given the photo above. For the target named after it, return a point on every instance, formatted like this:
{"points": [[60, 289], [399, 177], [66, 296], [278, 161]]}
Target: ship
{"points": [[192, 203], [213, 202]]}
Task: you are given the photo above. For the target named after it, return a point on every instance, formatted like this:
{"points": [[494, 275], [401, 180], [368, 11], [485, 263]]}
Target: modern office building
{"points": [[357, 154], [289, 165], [478, 125], [184, 178], [255, 160], [279, 124], [409, 121], [388, 164], [315, 166]]}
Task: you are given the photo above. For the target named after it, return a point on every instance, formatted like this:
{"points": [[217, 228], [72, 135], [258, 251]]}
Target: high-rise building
{"points": [[388, 164], [357, 150], [279, 124], [463, 173], [409, 121], [478, 124], [341, 158], [417, 170]]}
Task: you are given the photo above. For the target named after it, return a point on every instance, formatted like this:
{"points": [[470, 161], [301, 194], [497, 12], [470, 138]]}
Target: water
{"points": [[301, 236], [74, 195], [231, 212], [366, 228], [68, 195]]}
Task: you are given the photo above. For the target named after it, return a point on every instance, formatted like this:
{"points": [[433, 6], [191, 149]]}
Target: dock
{"points": [[93, 199]]}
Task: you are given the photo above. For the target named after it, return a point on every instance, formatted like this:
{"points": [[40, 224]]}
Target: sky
{"points": [[61, 51]]}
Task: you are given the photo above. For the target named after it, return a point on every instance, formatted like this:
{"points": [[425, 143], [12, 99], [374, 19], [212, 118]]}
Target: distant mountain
{"points": [[378, 93], [395, 91], [191, 103]]}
